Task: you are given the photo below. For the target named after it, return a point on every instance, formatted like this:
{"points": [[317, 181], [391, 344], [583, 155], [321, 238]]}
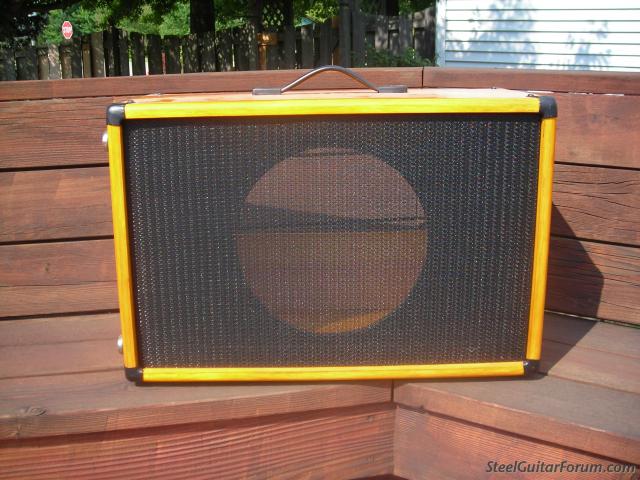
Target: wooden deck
{"points": [[66, 409]]}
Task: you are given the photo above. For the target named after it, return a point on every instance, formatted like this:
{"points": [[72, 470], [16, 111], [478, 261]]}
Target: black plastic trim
{"points": [[548, 107], [530, 367], [133, 374], [115, 114]]}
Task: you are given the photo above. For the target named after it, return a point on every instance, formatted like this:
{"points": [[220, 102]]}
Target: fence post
{"points": [[345, 34], [27, 62], [66, 59], [382, 33], [357, 35], [224, 51], [86, 56], [43, 62], [191, 62], [267, 50], [207, 43], [97, 55], [137, 54], [7, 63], [172, 54], [325, 45], [123, 52], [306, 46], [154, 54], [76, 57], [109, 42]]}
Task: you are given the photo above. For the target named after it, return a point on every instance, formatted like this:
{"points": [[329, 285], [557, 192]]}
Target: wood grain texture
{"points": [[594, 280], [594, 363], [346, 443], [57, 277], [547, 80], [431, 447], [591, 352], [53, 132], [105, 401], [54, 204], [598, 130], [585, 278], [592, 203], [199, 82]]}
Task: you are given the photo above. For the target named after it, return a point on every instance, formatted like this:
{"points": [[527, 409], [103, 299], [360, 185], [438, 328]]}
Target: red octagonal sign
{"points": [[67, 29]]}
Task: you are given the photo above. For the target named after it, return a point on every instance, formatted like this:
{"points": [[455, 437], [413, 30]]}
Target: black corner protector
{"points": [[133, 374], [115, 114], [531, 367], [548, 107]]}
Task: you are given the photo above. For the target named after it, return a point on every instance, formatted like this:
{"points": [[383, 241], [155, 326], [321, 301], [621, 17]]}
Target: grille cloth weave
{"points": [[222, 282]]}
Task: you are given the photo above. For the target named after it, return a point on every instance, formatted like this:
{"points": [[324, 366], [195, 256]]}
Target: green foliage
{"points": [[318, 11], [84, 21], [384, 58]]}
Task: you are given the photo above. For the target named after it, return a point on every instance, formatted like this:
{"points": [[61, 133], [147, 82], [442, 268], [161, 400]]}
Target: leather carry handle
{"points": [[331, 68]]}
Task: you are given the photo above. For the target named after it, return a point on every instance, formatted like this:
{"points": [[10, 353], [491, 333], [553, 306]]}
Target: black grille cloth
{"points": [[187, 185]]}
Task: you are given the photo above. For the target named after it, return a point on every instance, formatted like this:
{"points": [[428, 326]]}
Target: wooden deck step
{"points": [[63, 398]]}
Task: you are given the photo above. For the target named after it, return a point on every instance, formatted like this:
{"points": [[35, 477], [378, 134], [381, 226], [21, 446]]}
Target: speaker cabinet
{"points": [[331, 235]]}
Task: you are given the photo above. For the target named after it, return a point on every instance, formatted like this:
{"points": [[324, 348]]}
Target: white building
{"points": [[550, 34]]}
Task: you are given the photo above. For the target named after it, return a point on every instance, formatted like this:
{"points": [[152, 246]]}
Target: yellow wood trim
{"points": [[121, 240], [541, 247], [332, 373], [330, 106]]}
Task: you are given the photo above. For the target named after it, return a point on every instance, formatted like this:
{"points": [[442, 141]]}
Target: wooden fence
{"points": [[346, 40]]}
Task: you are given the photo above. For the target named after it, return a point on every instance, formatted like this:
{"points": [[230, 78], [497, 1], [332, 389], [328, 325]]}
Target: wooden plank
{"points": [[405, 32], [596, 203], [358, 39], [224, 51], [600, 336], [394, 36], [589, 203], [86, 56], [594, 280], [207, 45], [598, 130], [53, 54], [83, 402], [190, 53], [53, 132], [382, 33], [26, 63], [154, 55], [171, 44], [289, 47], [43, 63], [591, 366], [66, 59], [212, 82], [432, 446], [38, 279], [76, 57], [97, 55], [307, 47], [543, 80], [110, 42], [138, 66], [54, 204], [344, 34], [7, 63], [324, 45], [543, 408], [123, 52], [332, 444]]}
